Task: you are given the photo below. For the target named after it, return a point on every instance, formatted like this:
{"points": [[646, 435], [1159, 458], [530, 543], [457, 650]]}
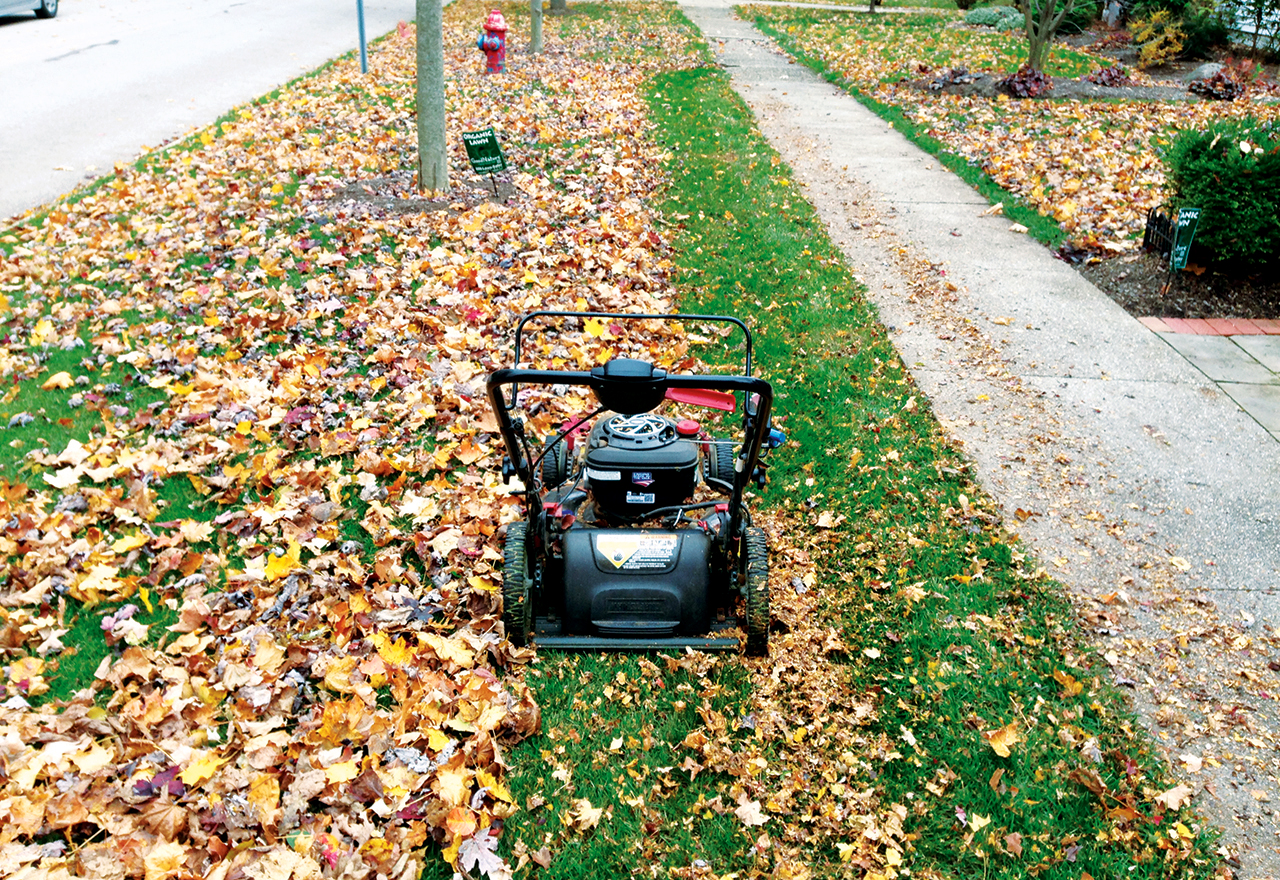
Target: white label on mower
{"points": [[637, 551], [594, 474], [641, 497]]}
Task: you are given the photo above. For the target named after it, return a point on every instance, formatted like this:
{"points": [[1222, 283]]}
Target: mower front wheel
{"points": [[757, 591], [517, 582]]}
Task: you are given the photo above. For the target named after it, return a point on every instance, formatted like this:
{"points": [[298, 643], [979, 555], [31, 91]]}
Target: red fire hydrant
{"points": [[493, 43]]}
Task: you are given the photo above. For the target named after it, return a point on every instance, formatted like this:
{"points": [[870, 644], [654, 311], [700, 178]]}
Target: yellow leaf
{"points": [[1003, 739], [264, 793], [280, 566], [340, 773], [480, 583], [496, 788], [244, 427], [57, 380], [41, 332], [595, 326], [977, 823], [396, 653], [338, 676], [129, 542], [1070, 687], [164, 860], [453, 784], [145, 595], [437, 740], [202, 769]]}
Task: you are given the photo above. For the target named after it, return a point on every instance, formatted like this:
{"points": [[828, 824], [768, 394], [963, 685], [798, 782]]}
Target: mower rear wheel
{"points": [[756, 551], [720, 461], [555, 465], [517, 580]]}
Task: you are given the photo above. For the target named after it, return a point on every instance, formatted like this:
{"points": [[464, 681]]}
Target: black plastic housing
{"points": [[632, 475], [638, 582]]}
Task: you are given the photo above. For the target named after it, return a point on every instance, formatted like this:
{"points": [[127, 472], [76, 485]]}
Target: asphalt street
{"points": [[101, 81]]}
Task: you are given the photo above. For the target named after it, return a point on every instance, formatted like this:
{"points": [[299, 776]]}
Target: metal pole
{"points": [[364, 54]]}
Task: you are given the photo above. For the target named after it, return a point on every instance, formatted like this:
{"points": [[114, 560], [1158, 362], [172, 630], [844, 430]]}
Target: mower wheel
{"points": [[757, 586], [555, 465], [720, 461], [517, 579]]}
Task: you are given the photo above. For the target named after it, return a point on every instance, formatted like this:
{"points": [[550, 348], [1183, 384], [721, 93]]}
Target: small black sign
{"points": [[484, 151], [1187, 221]]}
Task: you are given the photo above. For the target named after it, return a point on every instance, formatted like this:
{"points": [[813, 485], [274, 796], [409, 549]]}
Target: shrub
{"points": [[1114, 76], [1002, 18], [1202, 21], [1159, 38], [1231, 171], [1027, 82]]}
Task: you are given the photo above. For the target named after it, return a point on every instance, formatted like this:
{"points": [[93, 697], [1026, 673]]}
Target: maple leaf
{"points": [[583, 817], [479, 853], [750, 814], [282, 564], [164, 860], [1003, 739], [202, 769], [1176, 797]]}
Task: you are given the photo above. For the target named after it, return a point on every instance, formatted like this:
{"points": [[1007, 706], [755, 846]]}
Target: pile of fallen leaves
{"points": [[337, 689]]}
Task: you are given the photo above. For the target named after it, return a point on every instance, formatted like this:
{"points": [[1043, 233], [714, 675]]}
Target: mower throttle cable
{"points": [[533, 466]]}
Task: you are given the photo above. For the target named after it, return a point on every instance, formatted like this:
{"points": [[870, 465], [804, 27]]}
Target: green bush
{"points": [[1002, 18], [1231, 171]]}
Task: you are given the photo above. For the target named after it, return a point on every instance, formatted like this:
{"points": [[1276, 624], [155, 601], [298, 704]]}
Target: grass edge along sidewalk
{"points": [[1042, 228], [998, 736]]}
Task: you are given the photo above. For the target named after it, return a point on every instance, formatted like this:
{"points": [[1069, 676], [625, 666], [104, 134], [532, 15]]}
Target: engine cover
{"points": [[638, 463], [636, 582]]}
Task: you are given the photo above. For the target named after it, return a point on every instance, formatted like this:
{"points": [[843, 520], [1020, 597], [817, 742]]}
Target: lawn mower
{"points": [[636, 534]]}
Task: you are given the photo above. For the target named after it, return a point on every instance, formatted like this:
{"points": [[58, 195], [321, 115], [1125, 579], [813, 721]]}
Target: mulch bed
{"points": [[1143, 285]]}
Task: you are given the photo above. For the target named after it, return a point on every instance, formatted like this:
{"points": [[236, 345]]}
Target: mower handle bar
{"points": [[630, 316], [755, 420]]}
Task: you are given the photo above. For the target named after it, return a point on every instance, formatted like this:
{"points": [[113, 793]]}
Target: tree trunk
{"points": [[1042, 23], [433, 156], [535, 27]]}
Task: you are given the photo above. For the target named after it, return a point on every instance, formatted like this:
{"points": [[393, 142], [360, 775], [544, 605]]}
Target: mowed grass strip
{"points": [[1006, 745]]}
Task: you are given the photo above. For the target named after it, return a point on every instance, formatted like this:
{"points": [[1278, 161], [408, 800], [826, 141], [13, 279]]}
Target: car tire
{"points": [[47, 9]]}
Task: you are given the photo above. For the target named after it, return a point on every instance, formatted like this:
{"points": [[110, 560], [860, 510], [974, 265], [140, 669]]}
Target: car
{"points": [[42, 8]]}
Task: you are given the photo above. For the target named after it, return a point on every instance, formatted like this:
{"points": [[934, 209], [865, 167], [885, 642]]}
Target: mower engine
{"points": [[636, 464]]}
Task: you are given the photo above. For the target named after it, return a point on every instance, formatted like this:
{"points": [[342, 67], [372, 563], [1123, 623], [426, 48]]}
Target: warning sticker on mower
{"points": [[641, 497], [594, 474], [632, 552]]}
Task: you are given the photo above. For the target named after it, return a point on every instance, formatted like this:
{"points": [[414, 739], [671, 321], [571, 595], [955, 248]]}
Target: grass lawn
{"points": [[1090, 169], [252, 412]]}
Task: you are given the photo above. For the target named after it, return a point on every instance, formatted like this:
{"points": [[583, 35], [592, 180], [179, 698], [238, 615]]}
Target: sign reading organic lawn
{"points": [[1184, 231], [484, 151]]}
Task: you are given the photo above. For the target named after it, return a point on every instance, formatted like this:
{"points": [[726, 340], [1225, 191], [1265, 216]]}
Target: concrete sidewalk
{"points": [[1111, 448]]}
